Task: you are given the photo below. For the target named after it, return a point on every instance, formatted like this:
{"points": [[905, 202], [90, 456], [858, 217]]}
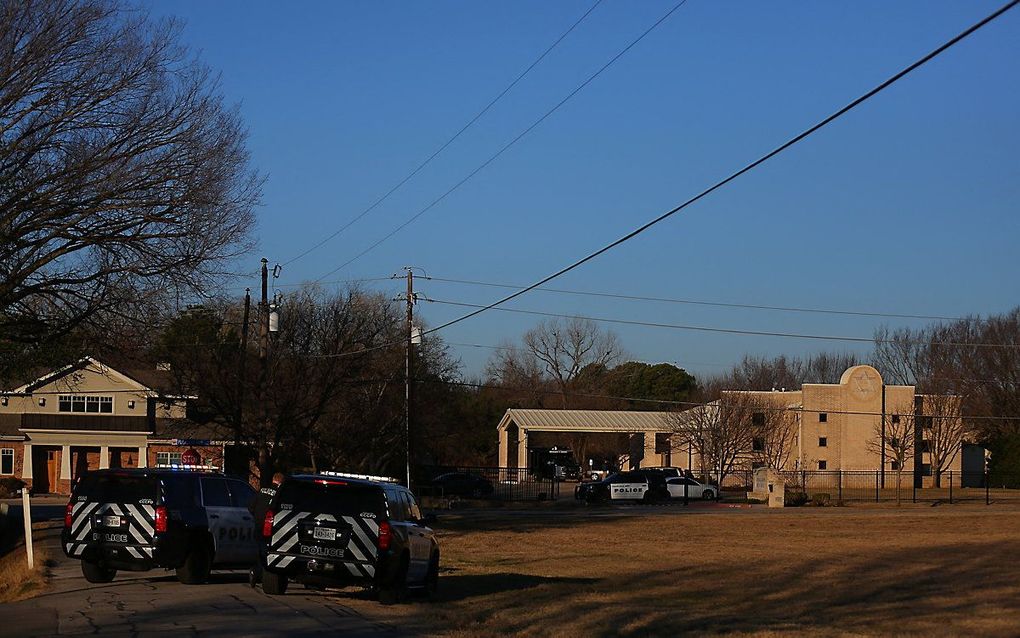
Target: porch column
{"points": [[65, 463], [504, 448], [522, 449], [104, 457], [649, 457], [26, 462], [143, 456]]}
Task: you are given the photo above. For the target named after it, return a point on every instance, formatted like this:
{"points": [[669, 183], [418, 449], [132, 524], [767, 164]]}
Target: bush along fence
{"points": [[485, 483], [871, 486]]}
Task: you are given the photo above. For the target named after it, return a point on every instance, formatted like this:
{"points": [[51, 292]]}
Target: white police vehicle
{"points": [[185, 518]]}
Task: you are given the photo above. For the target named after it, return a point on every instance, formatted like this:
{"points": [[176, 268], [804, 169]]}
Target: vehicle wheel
{"points": [[708, 495], [197, 565], [476, 493], [649, 497], [432, 577], [96, 573], [395, 591], [274, 584]]}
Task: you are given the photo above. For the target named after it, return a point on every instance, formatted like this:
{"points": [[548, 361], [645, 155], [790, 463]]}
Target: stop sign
{"points": [[191, 457]]}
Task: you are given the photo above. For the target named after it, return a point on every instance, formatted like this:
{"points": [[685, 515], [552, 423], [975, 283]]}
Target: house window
{"points": [[822, 465], [823, 442], [168, 458], [895, 418], [7, 461], [823, 417], [758, 418], [757, 445], [85, 403]]}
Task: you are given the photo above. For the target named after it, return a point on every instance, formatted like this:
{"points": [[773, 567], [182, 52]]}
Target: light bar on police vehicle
{"points": [[364, 477], [185, 466]]}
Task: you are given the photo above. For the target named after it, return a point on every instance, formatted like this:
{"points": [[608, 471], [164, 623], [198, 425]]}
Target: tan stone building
{"points": [[90, 416], [839, 425]]}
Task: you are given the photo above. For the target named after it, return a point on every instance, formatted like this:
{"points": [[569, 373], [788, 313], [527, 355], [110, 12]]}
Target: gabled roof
{"points": [[155, 381], [590, 420]]}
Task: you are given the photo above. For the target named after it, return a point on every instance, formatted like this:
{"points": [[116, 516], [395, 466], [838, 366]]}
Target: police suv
{"points": [[336, 529], [188, 519], [635, 485]]}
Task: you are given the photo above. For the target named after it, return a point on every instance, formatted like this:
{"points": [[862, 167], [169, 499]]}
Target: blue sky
{"points": [[907, 205]]}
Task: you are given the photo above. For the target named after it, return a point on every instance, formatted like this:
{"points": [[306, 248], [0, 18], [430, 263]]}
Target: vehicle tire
{"points": [[274, 584], [649, 497], [708, 495], [96, 573], [197, 565], [395, 591], [432, 577]]}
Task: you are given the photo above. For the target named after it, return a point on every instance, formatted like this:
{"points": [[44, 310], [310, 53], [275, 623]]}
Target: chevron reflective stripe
{"points": [[81, 519], [353, 569], [284, 524], [144, 516], [286, 560], [134, 552], [363, 537]]}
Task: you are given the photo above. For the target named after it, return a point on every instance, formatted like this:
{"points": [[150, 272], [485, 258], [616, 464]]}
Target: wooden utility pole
{"points": [[242, 366], [263, 364], [409, 373]]}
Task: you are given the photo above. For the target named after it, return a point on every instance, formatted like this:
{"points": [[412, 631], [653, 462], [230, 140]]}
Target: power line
{"points": [[456, 135], [764, 158], [763, 333], [509, 144], [695, 302]]}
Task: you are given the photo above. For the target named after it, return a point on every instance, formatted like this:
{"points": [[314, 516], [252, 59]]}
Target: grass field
{"points": [[801, 572]]}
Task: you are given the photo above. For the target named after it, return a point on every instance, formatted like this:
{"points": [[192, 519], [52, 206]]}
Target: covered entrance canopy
{"points": [[643, 427]]}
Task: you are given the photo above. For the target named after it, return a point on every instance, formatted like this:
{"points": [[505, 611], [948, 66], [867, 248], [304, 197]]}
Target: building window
{"points": [[895, 465], [822, 465], [757, 445], [823, 442], [85, 403], [895, 418], [925, 446], [7, 461], [823, 417], [168, 458], [758, 418]]}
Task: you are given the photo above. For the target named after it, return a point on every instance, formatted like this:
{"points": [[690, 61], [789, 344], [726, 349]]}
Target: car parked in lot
{"points": [[694, 489], [634, 485], [461, 484], [142, 519], [336, 529]]}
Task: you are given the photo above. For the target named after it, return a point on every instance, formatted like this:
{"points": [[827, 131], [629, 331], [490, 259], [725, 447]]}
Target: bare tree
{"points": [[720, 432], [896, 441], [783, 372], [122, 173], [774, 428], [943, 429], [566, 346]]}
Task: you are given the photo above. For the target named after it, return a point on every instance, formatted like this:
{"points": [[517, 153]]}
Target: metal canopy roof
{"points": [[590, 420]]}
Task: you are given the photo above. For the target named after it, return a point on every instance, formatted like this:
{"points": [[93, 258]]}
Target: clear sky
{"points": [[907, 205]]}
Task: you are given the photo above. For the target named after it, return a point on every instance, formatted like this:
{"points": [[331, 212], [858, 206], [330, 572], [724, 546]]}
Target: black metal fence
{"points": [[485, 483], [871, 486]]}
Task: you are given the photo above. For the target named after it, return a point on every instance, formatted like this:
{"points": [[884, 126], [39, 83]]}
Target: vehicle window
{"points": [[214, 492], [412, 506], [241, 494], [398, 506], [116, 488], [331, 497], [181, 491]]}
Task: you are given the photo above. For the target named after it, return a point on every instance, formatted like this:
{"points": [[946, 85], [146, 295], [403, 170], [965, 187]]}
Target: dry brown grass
{"points": [[17, 581], [818, 572]]}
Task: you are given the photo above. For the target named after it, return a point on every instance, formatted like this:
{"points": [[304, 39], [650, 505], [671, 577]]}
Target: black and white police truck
{"points": [[339, 529], [185, 518], [634, 485]]}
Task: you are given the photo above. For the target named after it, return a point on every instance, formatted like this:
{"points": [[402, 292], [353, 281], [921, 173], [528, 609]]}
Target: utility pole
{"points": [[242, 366], [409, 373], [263, 363]]}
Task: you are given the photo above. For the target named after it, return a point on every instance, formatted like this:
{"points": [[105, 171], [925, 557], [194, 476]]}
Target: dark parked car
{"points": [[461, 484]]}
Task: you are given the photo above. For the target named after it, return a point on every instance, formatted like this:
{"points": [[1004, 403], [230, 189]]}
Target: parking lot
{"points": [[615, 570]]}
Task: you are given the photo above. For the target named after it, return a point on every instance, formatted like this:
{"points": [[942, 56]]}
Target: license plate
{"points": [[324, 533], [111, 521]]}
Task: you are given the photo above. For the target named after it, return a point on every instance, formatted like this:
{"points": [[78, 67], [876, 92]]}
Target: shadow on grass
{"points": [[456, 587]]}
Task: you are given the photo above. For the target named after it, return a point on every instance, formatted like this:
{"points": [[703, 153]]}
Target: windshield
{"points": [[117, 488]]}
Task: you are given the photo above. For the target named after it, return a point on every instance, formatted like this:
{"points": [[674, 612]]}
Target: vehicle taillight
{"points": [[67, 515], [160, 519], [385, 535], [267, 524]]}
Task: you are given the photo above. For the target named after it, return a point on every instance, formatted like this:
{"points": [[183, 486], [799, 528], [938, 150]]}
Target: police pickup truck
{"points": [[336, 529], [188, 519], [635, 485]]}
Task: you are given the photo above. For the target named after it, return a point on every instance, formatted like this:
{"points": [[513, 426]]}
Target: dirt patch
{"points": [[817, 572]]}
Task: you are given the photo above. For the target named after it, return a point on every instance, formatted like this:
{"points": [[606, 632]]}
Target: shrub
{"points": [[821, 499], [10, 486], [795, 499]]}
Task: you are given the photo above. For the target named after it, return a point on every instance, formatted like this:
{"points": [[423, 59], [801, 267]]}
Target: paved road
{"points": [[154, 603]]}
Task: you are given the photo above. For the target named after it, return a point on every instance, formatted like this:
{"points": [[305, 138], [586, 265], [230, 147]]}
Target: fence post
{"points": [[876, 486], [950, 487], [840, 484], [987, 482], [26, 512]]}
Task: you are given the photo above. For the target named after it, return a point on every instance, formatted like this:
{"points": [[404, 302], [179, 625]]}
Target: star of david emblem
{"points": [[865, 384]]}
